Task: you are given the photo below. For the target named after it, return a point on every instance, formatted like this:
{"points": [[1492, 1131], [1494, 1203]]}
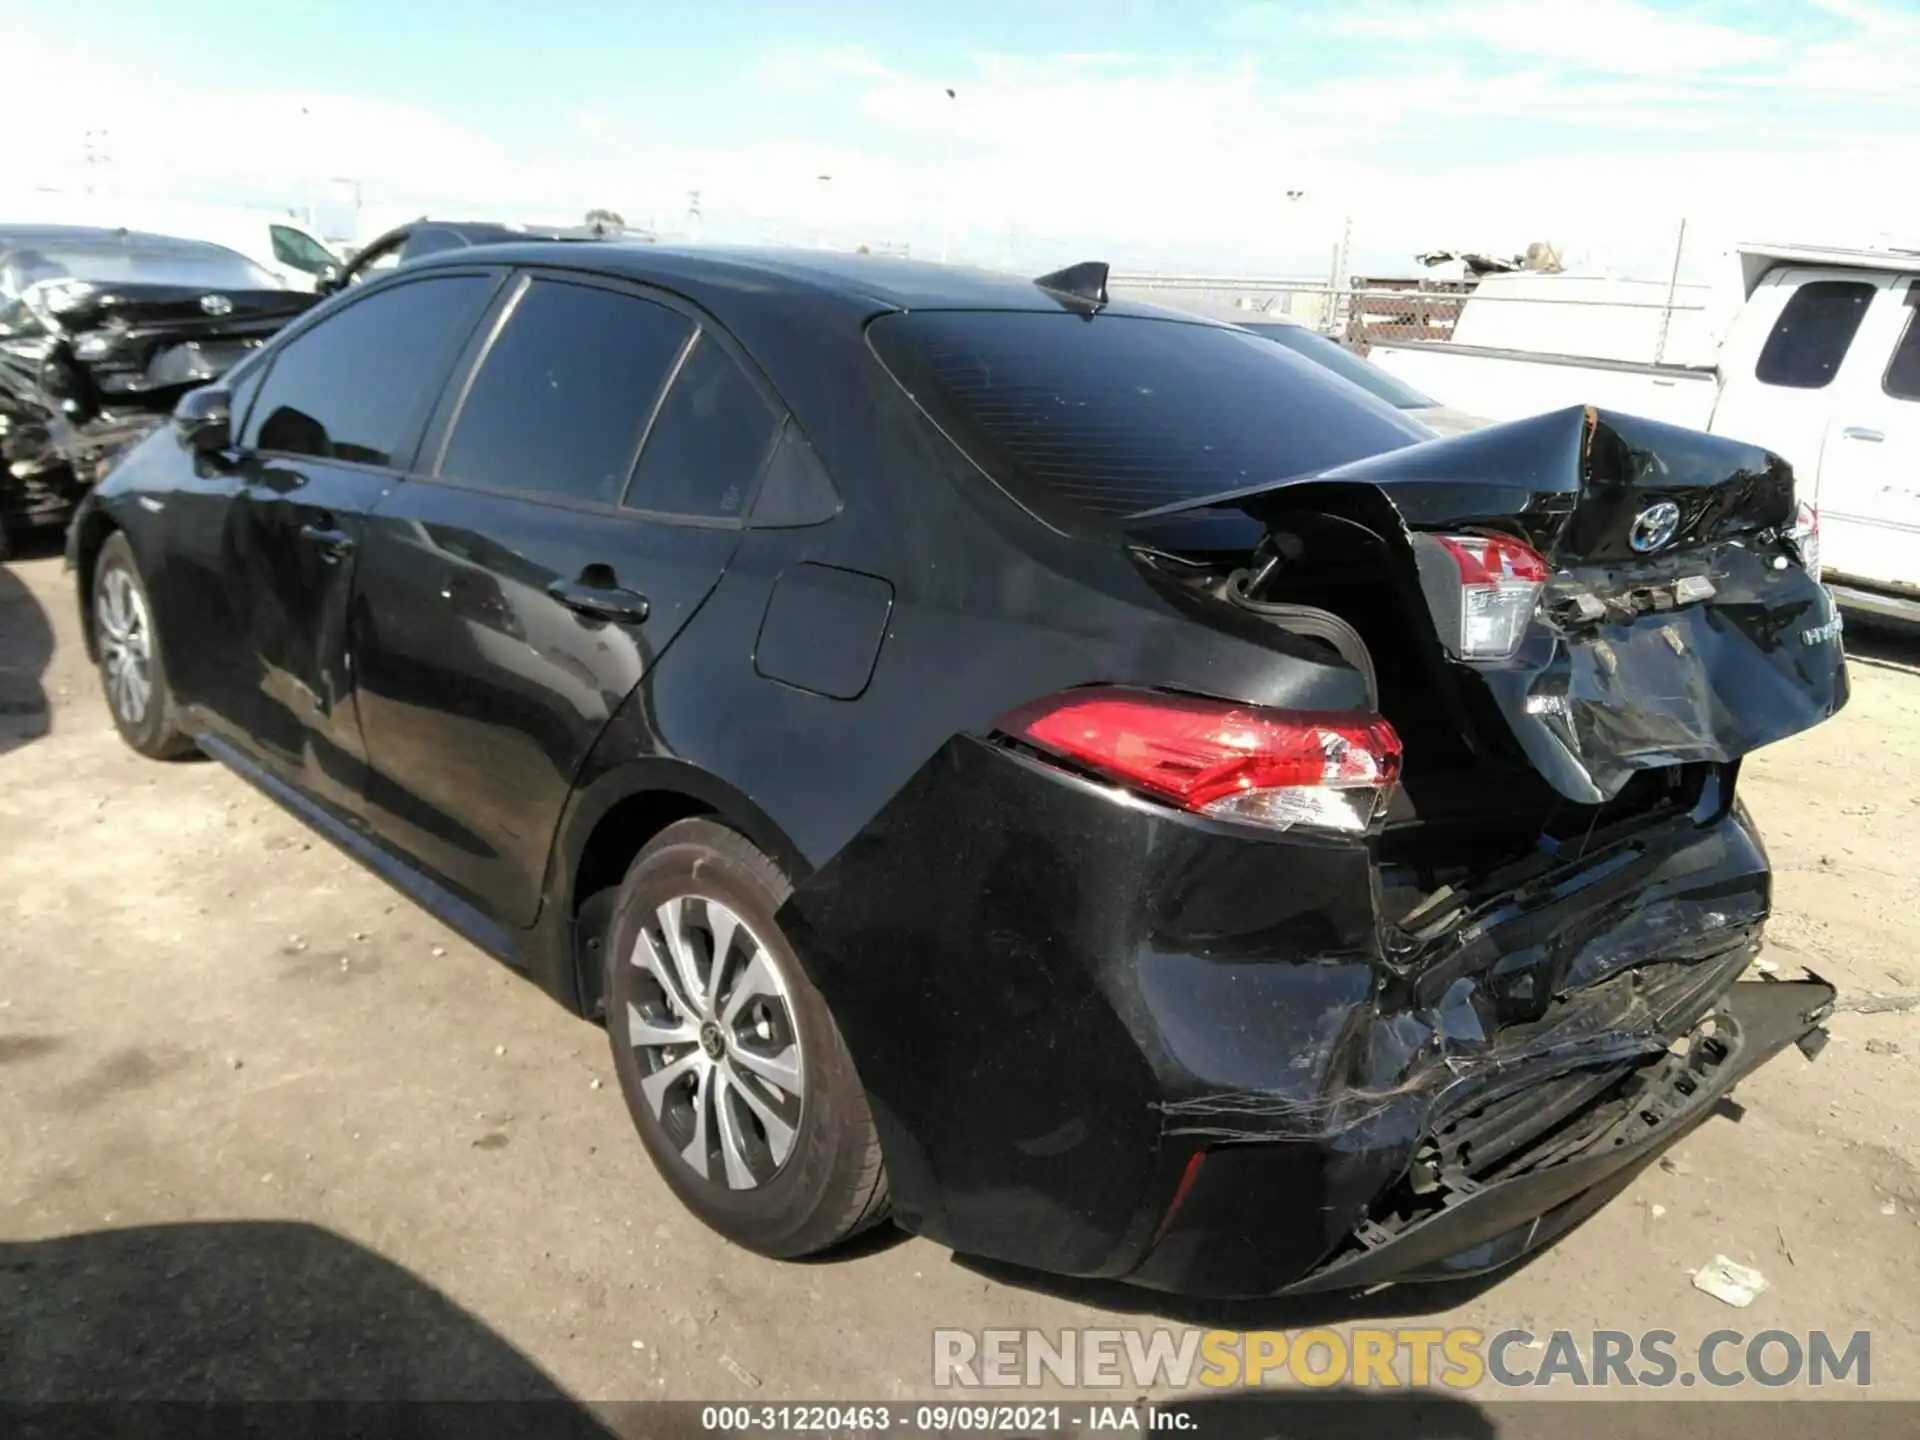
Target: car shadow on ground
{"points": [[254, 1312], [1882, 646], [26, 649], [1275, 1312]]}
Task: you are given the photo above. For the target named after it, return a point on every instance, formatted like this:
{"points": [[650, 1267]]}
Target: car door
{"points": [[1869, 492], [1793, 340], [305, 260], [336, 415], [511, 597]]}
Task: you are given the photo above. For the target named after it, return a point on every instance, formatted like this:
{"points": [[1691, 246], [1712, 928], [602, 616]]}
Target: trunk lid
{"points": [[187, 309], [1675, 620]]}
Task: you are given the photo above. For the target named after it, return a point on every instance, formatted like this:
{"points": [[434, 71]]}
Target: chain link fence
{"points": [[1591, 311], [1361, 313]]}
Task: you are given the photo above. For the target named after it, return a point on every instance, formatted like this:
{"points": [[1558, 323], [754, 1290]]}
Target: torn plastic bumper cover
{"points": [[1104, 1038], [1468, 1209]]}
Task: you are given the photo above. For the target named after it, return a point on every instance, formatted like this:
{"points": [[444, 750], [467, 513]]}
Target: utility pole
{"points": [[98, 153], [1342, 281], [353, 185], [946, 178]]}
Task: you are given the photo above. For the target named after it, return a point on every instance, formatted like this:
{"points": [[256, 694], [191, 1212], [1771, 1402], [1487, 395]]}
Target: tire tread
{"points": [[163, 738], [868, 1201]]}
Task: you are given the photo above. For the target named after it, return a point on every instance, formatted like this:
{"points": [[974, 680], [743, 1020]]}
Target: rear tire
{"points": [[133, 675], [734, 1072]]}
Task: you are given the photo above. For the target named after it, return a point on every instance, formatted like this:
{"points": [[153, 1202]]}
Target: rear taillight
{"points": [[1806, 537], [1500, 584], [1276, 768]]}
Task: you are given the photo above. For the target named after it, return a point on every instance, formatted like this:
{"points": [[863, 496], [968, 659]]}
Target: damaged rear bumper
{"points": [[1475, 1225], [1105, 1039]]}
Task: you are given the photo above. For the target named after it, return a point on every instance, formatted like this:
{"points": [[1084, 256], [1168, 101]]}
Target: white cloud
{"points": [[1597, 128], [1622, 36]]}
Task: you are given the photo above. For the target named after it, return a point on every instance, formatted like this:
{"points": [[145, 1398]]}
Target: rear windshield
{"points": [[1098, 418], [1343, 362], [187, 264]]}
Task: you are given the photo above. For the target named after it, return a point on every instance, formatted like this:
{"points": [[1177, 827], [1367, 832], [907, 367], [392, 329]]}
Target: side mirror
{"points": [[201, 421], [331, 278]]}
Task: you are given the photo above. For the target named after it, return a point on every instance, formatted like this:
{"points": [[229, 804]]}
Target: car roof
{"points": [[486, 232], [14, 237], [869, 282]]}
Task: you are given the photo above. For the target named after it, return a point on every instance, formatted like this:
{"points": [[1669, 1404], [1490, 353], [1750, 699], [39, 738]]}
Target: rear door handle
{"points": [[334, 545], [1860, 432], [625, 607]]}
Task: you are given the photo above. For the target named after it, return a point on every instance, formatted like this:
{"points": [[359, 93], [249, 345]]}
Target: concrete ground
{"points": [[269, 1130]]}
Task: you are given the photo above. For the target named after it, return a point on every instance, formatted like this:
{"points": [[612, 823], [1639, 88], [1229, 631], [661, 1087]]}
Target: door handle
{"points": [[1860, 432], [625, 607], [334, 545]]}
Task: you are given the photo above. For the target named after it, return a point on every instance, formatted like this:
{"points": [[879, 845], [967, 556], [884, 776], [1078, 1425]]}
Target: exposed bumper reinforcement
{"points": [[1485, 1224]]}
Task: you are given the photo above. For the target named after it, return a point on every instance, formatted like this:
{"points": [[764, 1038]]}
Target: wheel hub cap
{"points": [[712, 1024], [125, 640]]}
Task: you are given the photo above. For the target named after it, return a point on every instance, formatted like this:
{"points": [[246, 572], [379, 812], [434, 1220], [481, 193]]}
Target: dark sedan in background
{"points": [[1084, 781]]}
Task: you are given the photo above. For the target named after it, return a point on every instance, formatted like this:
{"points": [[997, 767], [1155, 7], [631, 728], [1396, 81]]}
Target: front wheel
{"points": [[732, 1067], [131, 670]]}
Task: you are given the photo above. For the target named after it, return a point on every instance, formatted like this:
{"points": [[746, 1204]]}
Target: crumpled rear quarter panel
{"points": [[1056, 994]]}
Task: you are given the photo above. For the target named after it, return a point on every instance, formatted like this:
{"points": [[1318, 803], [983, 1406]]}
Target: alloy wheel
{"points": [[126, 646], [712, 1023]]}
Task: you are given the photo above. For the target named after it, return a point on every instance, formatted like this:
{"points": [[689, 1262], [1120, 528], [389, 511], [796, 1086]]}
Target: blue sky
{"points": [[1229, 133]]}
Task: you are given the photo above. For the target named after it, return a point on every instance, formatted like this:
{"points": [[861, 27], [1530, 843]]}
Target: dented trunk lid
{"points": [[1677, 621]]}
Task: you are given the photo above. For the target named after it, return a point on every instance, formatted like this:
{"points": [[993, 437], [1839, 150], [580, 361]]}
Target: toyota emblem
{"points": [[216, 304], [1654, 526]]}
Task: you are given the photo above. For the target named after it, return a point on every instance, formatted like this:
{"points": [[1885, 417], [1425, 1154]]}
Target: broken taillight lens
{"points": [[1500, 584], [1274, 768], [1805, 535]]}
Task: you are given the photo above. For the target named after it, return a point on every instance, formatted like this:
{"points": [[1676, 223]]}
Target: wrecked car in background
{"points": [[419, 238], [1086, 781], [101, 332]]}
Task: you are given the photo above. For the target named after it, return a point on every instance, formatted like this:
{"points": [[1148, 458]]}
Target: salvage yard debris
{"points": [[1726, 1280]]}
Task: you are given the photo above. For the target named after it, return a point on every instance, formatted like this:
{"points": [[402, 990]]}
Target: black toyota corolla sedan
{"points": [[1082, 781]]}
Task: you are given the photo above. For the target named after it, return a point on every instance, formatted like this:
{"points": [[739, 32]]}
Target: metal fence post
{"points": [[1673, 285]]}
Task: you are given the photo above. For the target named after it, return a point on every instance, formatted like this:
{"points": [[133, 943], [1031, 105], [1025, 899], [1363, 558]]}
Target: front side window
{"points": [[354, 387], [1811, 337], [564, 394], [707, 446]]}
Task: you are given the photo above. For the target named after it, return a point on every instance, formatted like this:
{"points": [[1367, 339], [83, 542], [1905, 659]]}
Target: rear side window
{"points": [[564, 393], [1111, 416], [708, 444], [1902, 380], [354, 386], [430, 242], [1344, 363], [302, 251], [1811, 337]]}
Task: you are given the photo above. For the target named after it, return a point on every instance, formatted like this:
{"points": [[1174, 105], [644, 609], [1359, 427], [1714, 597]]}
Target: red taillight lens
{"points": [[1500, 584], [1278, 768]]}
